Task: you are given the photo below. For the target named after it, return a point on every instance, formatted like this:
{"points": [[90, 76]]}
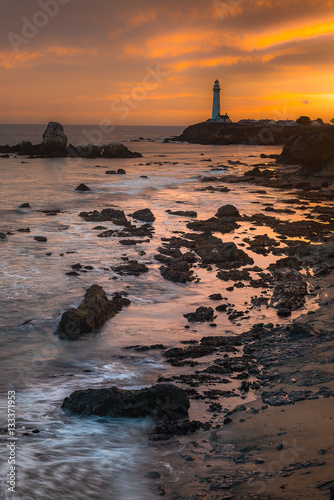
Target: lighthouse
{"points": [[216, 116], [216, 102]]}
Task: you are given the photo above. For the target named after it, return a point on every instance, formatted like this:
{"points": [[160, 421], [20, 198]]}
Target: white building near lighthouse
{"points": [[216, 116]]}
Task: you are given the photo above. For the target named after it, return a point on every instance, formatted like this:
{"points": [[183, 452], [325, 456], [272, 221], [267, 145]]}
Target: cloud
{"points": [[305, 101]]}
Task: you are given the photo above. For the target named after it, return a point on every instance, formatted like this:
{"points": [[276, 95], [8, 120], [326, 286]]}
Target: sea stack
{"points": [[54, 138]]}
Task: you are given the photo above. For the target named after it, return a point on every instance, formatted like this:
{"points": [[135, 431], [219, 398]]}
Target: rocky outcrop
{"points": [[92, 313], [221, 133], [107, 214], [160, 402], [54, 138], [145, 215], [54, 145], [314, 151]]}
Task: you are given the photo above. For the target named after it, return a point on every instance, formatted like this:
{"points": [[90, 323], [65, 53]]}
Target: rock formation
{"points": [[54, 145], [92, 313], [54, 138], [314, 151], [161, 402]]}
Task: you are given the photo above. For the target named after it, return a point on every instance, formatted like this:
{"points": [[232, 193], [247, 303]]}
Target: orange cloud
{"points": [[11, 60]]}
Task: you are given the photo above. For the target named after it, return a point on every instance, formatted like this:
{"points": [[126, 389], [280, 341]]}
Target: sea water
{"points": [[78, 458]]}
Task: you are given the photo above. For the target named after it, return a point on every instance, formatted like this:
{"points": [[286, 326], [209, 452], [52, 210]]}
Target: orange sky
{"points": [[148, 62]]}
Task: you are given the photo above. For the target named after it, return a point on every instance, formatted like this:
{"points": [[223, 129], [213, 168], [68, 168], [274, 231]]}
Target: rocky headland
{"points": [[54, 145], [223, 134]]}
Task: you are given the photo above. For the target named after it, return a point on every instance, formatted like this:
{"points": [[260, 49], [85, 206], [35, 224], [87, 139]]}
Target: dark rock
{"points": [[107, 214], [131, 268], [92, 313], [54, 138], [200, 315], [299, 331], [228, 211], [25, 205], [3, 236], [161, 402], [160, 491], [41, 239], [145, 215], [153, 474], [284, 312], [24, 230], [121, 171], [82, 187], [216, 296], [178, 271], [183, 213]]}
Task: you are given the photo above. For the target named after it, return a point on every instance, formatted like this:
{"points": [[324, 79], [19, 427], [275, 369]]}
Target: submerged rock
{"points": [[161, 402], [92, 313]]}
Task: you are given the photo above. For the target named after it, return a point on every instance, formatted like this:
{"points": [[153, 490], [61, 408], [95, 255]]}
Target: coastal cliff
{"points": [[223, 134], [313, 150]]}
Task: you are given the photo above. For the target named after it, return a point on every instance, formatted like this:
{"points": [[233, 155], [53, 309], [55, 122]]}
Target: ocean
{"points": [[79, 458]]}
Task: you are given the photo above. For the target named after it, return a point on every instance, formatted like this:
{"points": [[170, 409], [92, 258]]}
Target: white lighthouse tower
{"points": [[216, 102], [216, 116]]}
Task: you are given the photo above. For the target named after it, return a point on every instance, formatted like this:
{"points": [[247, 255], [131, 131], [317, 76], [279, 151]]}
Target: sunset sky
{"points": [[154, 63]]}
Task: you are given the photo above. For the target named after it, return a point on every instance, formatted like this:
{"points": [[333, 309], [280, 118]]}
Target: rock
{"points": [[228, 211], [41, 239], [299, 331], [153, 474], [111, 172], [160, 491], [131, 268], [145, 215], [216, 296], [183, 213], [201, 314], [121, 171], [92, 313], [82, 187], [107, 214], [160, 402], [178, 271], [25, 205], [284, 312], [3, 236], [54, 138]]}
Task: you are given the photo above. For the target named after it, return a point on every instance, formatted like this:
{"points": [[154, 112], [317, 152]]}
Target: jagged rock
{"points": [[92, 313], [228, 211], [131, 268], [54, 138], [82, 187], [107, 214], [201, 314], [145, 215], [161, 402]]}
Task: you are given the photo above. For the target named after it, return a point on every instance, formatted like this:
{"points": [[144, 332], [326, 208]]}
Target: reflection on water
{"points": [[75, 458]]}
